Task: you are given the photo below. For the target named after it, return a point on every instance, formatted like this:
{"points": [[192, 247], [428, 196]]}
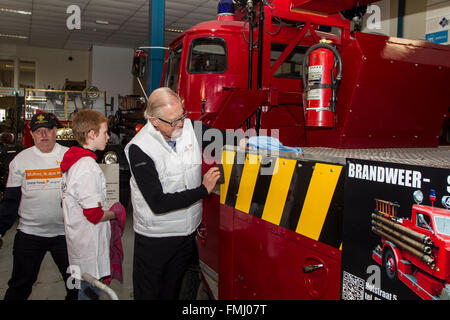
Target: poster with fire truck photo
{"points": [[396, 232]]}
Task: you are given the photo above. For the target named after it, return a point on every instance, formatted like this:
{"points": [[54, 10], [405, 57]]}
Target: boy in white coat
{"points": [[83, 190]]}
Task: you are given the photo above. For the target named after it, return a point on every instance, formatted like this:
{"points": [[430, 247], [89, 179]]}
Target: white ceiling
{"points": [[128, 22]]}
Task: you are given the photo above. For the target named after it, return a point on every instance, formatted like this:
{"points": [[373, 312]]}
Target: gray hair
{"points": [[159, 98]]}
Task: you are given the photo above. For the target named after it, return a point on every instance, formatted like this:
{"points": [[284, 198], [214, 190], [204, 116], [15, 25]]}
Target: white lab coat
{"points": [[83, 187]]}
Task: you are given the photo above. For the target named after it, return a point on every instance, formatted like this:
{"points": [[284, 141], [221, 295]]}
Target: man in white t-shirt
{"points": [[33, 193]]}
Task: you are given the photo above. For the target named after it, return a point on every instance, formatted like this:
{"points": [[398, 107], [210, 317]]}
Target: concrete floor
{"points": [[50, 285]]}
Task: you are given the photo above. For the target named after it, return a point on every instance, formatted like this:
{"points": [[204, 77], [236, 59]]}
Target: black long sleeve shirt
{"points": [[9, 207], [147, 179]]}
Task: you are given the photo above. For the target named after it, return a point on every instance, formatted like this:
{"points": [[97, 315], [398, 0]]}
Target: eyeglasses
{"points": [[173, 123]]}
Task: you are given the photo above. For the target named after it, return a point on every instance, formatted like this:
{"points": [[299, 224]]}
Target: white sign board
{"points": [[438, 22], [111, 172]]}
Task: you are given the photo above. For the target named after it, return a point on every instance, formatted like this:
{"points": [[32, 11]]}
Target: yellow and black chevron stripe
{"points": [[306, 197]]}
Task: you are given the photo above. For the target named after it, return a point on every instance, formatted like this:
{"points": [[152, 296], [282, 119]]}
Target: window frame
{"points": [[283, 47], [14, 61], [16, 80], [224, 43], [24, 60]]}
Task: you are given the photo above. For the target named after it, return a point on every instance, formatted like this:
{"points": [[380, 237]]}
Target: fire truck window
{"points": [[442, 225], [424, 221], [172, 69], [207, 55], [292, 65]]}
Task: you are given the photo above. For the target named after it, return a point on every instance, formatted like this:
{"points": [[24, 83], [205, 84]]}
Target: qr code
{"points": [[352, 287]]}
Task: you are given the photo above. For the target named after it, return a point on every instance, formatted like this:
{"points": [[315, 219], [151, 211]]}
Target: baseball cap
{"points": [[42, 120]]}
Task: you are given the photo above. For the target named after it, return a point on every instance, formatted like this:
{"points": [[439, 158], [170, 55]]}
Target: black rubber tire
{"points": [[390, 265]]}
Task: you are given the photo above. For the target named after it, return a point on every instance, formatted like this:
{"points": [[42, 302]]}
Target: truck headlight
{"points": [[446, 201], [418, 196]]}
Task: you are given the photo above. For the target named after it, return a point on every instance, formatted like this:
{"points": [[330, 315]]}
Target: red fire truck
{"points": [[416, 250], [298, 69]]}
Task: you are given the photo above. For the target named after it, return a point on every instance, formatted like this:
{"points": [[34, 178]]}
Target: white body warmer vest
{"points": [[178, 170]]}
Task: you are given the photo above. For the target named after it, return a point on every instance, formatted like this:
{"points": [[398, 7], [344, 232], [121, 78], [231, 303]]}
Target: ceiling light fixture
{"points": [[15, 11], [102, 21], [12, 36], [99, 26], [174, 30]]}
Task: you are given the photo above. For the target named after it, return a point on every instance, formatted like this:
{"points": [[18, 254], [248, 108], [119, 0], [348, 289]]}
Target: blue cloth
{"points": [[270, 143], [172, 143]]}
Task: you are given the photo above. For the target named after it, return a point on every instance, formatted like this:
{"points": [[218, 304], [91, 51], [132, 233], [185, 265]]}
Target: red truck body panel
{"points": [[259, 260], [367, 114]]}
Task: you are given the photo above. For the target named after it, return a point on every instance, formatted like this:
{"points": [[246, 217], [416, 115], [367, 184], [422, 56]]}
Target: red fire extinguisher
{"points": [[320, 83]]}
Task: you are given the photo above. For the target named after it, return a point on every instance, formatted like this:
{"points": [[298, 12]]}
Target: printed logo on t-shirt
{"points": [[43, 178]]}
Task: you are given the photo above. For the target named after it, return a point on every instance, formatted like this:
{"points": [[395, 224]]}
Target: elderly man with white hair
{"points": [[167, 188]]}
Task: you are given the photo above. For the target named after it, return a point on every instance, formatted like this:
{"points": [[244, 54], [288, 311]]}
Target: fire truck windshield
{"points": [[442, 225]]}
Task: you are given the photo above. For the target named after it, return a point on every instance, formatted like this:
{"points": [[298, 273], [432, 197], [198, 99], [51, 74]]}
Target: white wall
{"points": [[438, 21], [111, 72], [107, 68], [421, 17], [414, 20], [52, 65], [383, 9]]}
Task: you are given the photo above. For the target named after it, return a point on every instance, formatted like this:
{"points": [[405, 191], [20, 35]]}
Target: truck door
{"points": [[206, 65]]}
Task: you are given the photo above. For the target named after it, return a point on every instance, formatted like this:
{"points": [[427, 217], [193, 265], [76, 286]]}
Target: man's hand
{"points": [[243, 143], [210, 178]]}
